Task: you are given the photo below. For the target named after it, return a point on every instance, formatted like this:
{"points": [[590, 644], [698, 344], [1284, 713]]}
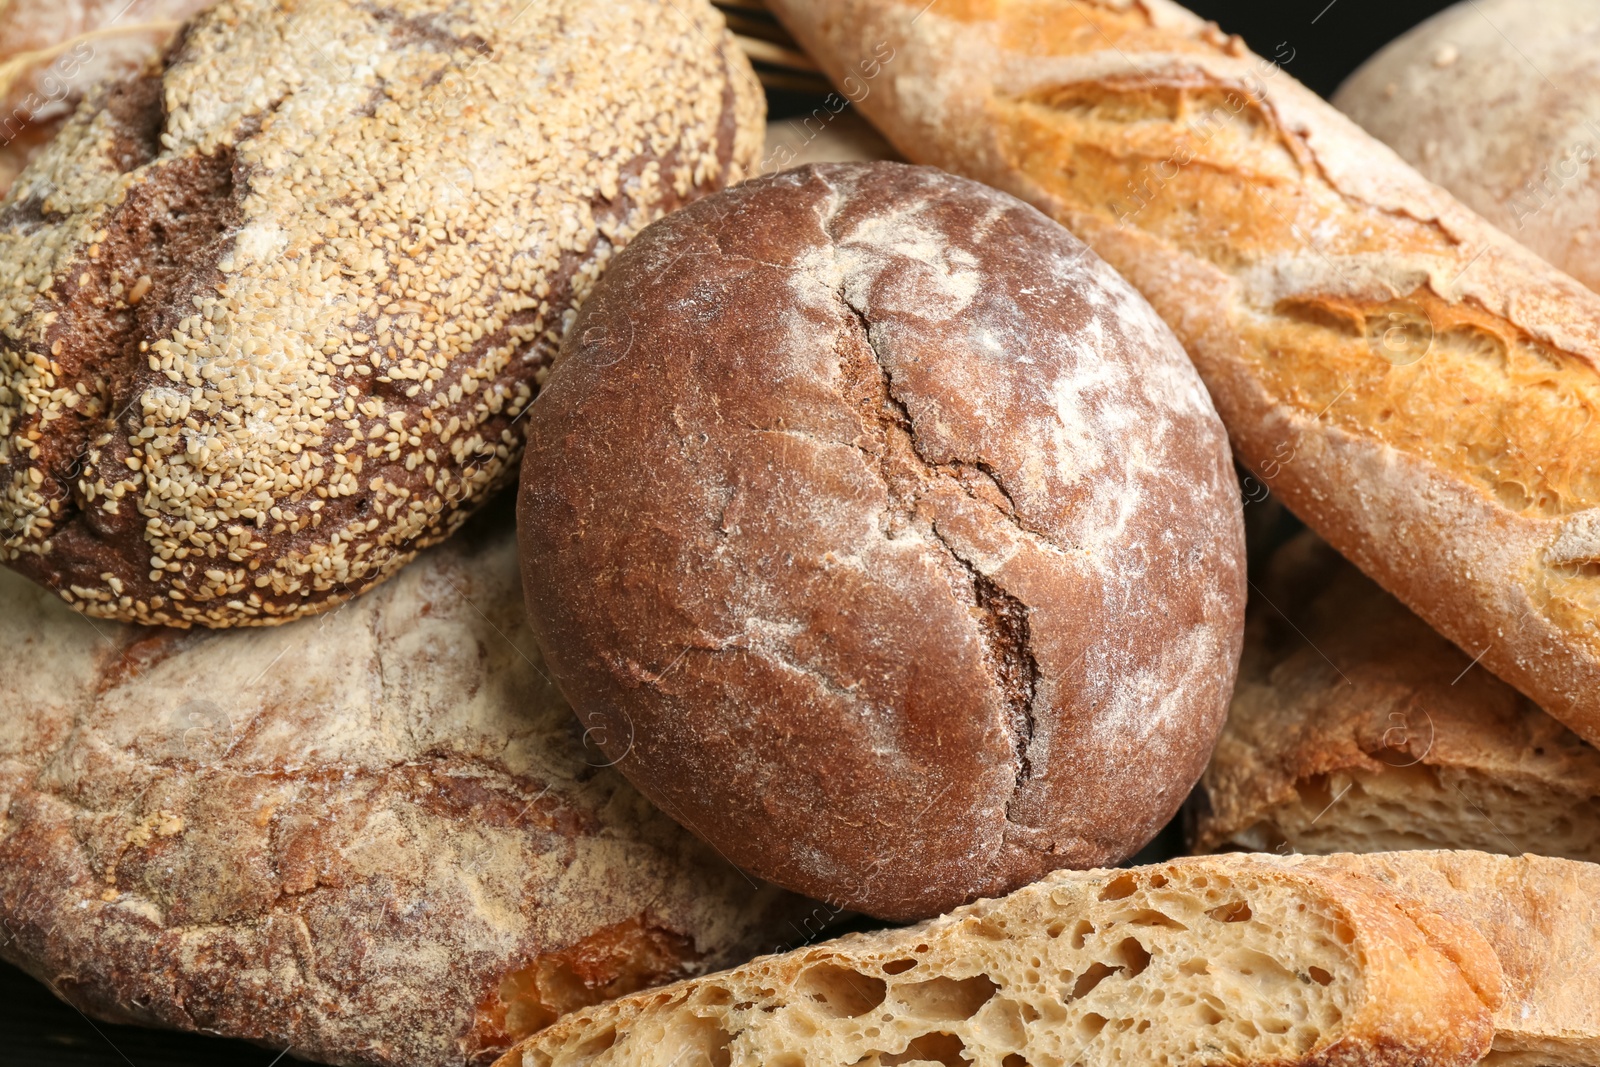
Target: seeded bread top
{"points": [[272, 310], [54, 52]]}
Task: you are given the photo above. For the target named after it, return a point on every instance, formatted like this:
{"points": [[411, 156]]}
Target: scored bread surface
{"points": [[1241, 960], [273, 309], [378, 836], [1357, 728], [1414, 385]]}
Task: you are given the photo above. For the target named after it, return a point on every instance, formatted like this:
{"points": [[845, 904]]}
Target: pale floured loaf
{"points": [[1356, 728], [1499, 102], [1417, 387], [273, 309], [1231, 960], [378, 836]]}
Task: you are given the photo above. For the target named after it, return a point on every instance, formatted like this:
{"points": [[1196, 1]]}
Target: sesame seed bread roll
{"points": [[272, 310], [378, 836], [1356, 728], [1499, 102], [1418, 388], [54, 52], [1243, 961]]}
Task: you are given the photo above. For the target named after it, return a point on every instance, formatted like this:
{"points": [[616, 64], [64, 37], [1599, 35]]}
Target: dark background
{"points": [[1328, 41]]}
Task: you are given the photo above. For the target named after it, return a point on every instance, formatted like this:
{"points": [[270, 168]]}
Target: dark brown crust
{"points": [[378, 836], [821, 519]]}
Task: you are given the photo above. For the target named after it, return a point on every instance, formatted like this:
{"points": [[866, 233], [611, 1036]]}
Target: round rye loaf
{"points": [[891, 536]]}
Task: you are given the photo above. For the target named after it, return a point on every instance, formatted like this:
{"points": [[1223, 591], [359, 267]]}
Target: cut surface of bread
{"points": [[1356, 728], [1217, 960]]}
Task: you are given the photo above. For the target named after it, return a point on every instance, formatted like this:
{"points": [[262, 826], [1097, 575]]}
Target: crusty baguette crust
{"points": [[1421, 997], [1540, 915], [1416, 386], [1356, 728]]}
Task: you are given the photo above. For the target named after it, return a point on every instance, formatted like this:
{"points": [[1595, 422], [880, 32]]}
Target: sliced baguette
{"points": [[1356, 728], [1417, 387], [1217, 960]]}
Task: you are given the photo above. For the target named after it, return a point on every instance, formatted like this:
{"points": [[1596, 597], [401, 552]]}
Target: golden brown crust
{"points": [[378, 836], [1357, 728], [1417, 387], [1540, 915], [1396, 995], [915, 568], [273, 311]]}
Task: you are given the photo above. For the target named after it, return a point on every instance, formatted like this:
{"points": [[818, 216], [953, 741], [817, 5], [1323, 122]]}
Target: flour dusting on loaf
{"points": [[896, 530], [378, 836], [1418, 387]]}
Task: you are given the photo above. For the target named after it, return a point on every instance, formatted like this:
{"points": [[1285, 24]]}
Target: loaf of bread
{"points": [[890, 535], [1356, 728], [1499, 102], [1417, 387], [1242, 960], [378, 836], [53, 53], [273, 309]]}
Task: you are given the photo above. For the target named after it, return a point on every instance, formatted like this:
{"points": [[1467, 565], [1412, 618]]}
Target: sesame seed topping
{"points": [[287, 297]]}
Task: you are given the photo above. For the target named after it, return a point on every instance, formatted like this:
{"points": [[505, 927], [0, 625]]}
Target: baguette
{"points": [[1417, 387], [1219, 960], [1356, 728]]}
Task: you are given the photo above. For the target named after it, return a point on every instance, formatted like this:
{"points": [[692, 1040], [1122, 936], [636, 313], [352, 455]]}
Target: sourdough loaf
{"points": [[1417, 387], [1499, 102], [377, 836], [55, 52], [1239, 960], [1356, 728], [273, 309], [890, 535]]}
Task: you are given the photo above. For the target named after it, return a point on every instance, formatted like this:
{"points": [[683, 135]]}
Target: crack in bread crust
{"points": [[854, 473], [1002, 622]]}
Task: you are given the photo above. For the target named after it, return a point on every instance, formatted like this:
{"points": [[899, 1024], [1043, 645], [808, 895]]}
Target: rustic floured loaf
{"points": [[1239, 960], [1356, 728], [1499, 102], [273, 309], [1416, 386], [55, 52], [377, 836], [891, 536]]}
